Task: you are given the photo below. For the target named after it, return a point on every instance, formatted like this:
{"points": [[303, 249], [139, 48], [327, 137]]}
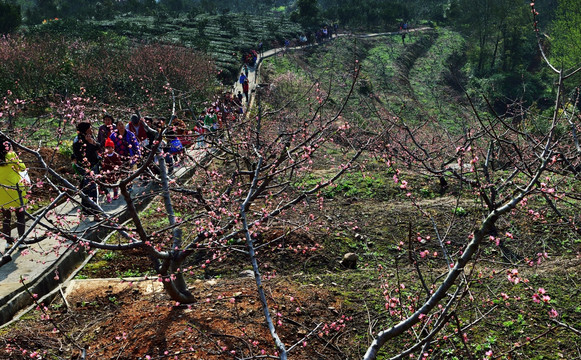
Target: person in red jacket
{"points": [[139, 128], [111, 168], [245, 89]]}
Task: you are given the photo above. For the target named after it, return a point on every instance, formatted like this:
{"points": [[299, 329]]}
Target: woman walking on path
{"points": [[126, 144], [86, 156], [12, 192], [245, 89], [105, 129]]}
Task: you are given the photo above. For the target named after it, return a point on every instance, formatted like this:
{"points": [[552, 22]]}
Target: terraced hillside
{"points": [[423, 77], [223, 36]]}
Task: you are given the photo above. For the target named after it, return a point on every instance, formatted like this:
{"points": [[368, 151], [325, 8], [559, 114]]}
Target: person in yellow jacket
{"points": [[12, 191]]}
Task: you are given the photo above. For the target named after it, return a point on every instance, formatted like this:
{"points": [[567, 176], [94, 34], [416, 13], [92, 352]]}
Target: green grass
{"points": [[355, 184], [428, 78], [281, 65]]}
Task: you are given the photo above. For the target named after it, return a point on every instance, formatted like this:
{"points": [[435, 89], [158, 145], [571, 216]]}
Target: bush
{"points": [[66, 148], [109, 71]]}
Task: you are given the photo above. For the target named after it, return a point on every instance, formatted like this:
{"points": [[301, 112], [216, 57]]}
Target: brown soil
{"points": [[131, 322]]}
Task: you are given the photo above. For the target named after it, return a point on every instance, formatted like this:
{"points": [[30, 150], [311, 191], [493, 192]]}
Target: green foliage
{"points": [[93, 268], [201, 26], [541, 123], [460, 211], [566, 35], [499, 33], [10, 17], [110, 255], [130, 273], [382, 58], [438, 69], [500, 45], [227, 24], [507, 87], [367, 14], [173, 5], [427, 193], [307, 13], [355, 184], [66, 148]]}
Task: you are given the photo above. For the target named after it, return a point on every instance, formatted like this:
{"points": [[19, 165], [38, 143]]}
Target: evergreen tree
{"points": [[307, 13], [496, 30], [10, 17], [566, 34]]}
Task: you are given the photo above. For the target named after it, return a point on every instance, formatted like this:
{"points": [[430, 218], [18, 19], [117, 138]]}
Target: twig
{"points": [[305, 337], [499, 356], [568, 327], [461, 335], [41, 307]]}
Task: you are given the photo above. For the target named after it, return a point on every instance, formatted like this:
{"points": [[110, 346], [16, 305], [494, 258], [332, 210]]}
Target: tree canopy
{"points": [[10, 17], [566, 34]]}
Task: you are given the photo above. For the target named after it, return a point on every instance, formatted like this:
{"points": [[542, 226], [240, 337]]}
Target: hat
{"points": [[109, 143], [83, 127]]}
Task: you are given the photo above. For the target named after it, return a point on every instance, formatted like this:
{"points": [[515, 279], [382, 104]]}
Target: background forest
{"points": [[500, 58]]}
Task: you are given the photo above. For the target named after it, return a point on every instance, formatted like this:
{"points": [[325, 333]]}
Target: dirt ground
{"points": [[130, 321], [308, 293]]}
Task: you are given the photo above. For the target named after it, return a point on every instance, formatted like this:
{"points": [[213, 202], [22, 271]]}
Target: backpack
{"points": [[175, 146]]}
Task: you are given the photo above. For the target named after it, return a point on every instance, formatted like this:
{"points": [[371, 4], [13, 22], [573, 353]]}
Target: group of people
{"points": [[249, 58], [325, 33], [321, 35], [117, 149]]}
